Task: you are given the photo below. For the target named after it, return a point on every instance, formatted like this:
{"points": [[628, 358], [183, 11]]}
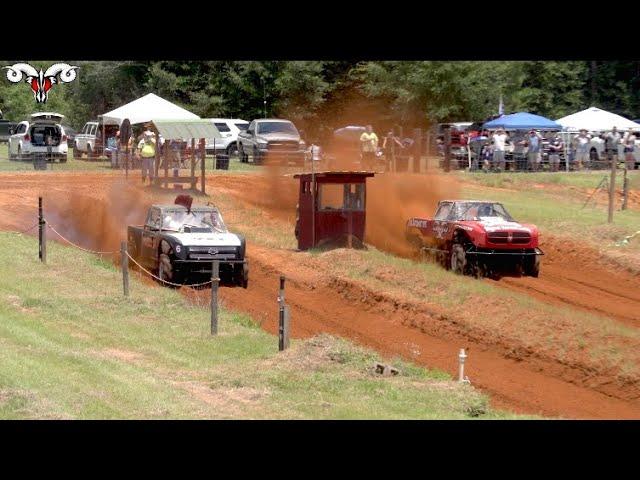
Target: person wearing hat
{"points": [[147, 150], [581, 144], [534, 143]]}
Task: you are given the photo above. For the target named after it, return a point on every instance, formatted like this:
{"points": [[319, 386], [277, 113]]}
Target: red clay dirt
{"points": [[321, 303]]}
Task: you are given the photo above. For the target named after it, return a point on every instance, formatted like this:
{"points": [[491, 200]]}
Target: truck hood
{"points": [[271, 137], [206, 239], [493, 224]]}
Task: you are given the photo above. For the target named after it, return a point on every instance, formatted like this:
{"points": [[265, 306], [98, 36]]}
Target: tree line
{"points": [[323, 95]]}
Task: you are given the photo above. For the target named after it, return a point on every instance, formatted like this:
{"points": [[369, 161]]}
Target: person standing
{"points": [[368, 146], [499, 140], [147, 150], [556, 145], [629, 143], [534, 157], [581, 143], [611, 142]]}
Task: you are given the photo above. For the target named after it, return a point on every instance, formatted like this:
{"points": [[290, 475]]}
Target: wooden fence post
{"points": [[125, 267], [203, 149], [42, 234], [417, 153], [625, 190], [281, 319], [612, 187], [215, 274]]}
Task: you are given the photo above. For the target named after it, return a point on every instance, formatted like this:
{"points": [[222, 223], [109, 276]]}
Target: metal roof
{"points": [[186, 129], [336, 172]]}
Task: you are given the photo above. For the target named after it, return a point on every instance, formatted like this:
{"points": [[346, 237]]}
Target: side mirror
{"points": [[12, 130]]}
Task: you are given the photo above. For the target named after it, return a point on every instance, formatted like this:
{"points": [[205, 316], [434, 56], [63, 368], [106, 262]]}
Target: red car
{"points": [[477, 238]]}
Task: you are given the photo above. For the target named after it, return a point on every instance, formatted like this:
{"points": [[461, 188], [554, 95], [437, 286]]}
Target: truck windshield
{"points": [[473, 211], [204, 221], [277, 127]]}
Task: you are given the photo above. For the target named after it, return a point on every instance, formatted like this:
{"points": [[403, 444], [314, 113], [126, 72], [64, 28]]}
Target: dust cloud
{"points": [[100, 222]]}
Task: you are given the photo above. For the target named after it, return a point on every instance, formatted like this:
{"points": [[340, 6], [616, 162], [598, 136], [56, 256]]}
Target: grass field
{"points": [[71, 346]]}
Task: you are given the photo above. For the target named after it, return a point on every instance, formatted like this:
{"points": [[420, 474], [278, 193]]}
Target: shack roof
{"points": [[186, 129], [335, 174]]}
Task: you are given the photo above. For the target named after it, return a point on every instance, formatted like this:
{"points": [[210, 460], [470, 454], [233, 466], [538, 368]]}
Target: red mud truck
{"points": [[477, 238]]}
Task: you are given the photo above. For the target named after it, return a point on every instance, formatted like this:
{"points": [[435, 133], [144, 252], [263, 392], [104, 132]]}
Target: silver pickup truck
{"points": [[273, 139]]}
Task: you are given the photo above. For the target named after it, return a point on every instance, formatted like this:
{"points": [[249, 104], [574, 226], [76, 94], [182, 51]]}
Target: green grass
{"points": [[71, 346], [588, 180]]}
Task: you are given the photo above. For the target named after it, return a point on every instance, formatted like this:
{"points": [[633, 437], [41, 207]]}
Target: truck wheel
{"points": [[232, 150], [76, 153], [165, 268], [458, 259], [241, 155], [242, 275], [532, 266], [89, 152]]}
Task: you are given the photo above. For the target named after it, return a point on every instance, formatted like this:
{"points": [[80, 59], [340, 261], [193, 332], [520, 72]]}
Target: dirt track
{"points": [[323, 304]]}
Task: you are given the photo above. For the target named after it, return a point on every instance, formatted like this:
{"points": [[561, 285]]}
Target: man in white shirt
{"points": [[499, 140], [581, 143]]}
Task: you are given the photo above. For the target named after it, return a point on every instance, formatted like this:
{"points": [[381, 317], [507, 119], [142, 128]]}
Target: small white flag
{"points": [[500, 106]]}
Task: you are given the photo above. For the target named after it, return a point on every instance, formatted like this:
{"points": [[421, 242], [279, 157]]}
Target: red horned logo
{"points": [[39, 81]]}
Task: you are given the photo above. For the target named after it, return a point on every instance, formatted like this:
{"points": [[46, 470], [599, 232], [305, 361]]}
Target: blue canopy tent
{"points": [[522, 121], [526, 121]]}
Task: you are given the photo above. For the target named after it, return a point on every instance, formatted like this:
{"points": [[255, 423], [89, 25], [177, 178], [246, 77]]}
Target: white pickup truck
{"points": [[89, 141]]}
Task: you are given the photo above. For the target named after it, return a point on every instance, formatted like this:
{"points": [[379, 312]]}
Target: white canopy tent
{"points": [[145, 109], [596, 120]]}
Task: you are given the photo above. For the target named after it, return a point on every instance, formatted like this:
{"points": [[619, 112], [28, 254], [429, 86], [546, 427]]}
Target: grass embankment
{"points": [[71, 346]]}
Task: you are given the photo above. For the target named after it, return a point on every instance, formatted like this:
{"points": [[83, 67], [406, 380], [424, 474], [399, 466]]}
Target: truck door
{"points": [[439, 227], [149, 241]]}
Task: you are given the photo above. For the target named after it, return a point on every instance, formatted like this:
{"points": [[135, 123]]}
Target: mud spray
{"points": [[97, 223]]}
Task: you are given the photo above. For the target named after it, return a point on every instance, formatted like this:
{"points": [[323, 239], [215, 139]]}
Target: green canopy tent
{"points": [[184, 130]]}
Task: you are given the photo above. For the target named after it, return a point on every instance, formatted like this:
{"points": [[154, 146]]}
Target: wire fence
{"points": [[97, 252], [192, 285]]}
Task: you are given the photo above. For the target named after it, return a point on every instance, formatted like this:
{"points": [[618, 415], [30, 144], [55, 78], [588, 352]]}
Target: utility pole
{"points": [[264, 100]]}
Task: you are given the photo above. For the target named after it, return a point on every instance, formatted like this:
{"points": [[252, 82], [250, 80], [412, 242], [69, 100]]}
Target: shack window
{"points": [[341, 196]]}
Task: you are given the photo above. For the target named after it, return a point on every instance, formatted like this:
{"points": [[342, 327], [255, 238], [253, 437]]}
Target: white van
{"points": [[229, 128]]}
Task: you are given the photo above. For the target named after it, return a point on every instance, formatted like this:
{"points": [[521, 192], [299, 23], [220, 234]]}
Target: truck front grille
{"points": [[509, 237], [288, 146], [212, 253]]}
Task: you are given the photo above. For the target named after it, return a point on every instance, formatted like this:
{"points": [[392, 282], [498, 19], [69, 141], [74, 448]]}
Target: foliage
{"points": [[321, 95]]}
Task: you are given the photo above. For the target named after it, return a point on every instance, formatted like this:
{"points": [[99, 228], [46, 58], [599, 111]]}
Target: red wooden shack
{"points": [[331, 208]]}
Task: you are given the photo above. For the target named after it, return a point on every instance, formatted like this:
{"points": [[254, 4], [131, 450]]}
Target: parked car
{"points": [[89, 141], [42, 132], [229, 128], [271, 138]]}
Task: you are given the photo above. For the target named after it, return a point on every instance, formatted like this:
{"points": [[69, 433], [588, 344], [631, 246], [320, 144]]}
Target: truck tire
{"points": [[242, 275], [232, 150], [76, 153], [457, 259], [532, 266], [89, 152], [165, 269]]}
